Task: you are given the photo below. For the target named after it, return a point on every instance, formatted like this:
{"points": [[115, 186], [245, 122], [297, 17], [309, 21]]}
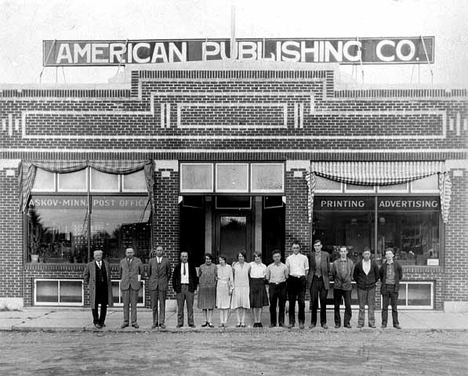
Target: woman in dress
{"points": [[224, 290], [207, 274], [240, 296], [258, 293]]}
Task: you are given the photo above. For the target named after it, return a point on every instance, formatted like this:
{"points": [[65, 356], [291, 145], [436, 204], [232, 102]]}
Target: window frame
{"points": [[58, 303], [406, 285], [142, 289]]}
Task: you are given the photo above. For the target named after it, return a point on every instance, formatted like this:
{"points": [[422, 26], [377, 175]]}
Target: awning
{"points": [[27, 173], [380, 174]]}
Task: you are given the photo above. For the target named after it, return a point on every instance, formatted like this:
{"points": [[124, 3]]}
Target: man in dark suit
{"points": [[159, 274], [390, 274], [184, 282], [318, 280], [131, 269], [97, 275]]}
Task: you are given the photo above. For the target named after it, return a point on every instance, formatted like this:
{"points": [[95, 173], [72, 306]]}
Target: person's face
{"points": [[159, 251], [207, 260], [257, 259], [240, 257], [184, 257], [343, 253], [366, 255], [296, 248], [98, 256], [277, 258], [222, 261], [318, 247], [129, 253], [389, 255]]}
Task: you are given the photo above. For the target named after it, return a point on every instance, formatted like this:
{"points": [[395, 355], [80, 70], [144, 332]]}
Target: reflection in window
{"points": [[100, 181], [73, 181], [57, 228], [119, 222]]}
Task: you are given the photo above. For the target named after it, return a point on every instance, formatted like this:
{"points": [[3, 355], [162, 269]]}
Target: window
{"points": [[267, 177], [416, 295], [232, 177], [67, 227], [117, 294], [196, 177], [67, 292]]}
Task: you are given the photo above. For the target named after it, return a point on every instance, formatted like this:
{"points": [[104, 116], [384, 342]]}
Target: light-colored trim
{"points": [[9, 163], [297, 164], [166, 165], [59, 281], [455, 164]]}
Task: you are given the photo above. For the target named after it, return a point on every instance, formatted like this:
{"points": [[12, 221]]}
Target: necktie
{"points": [[184, 269]]}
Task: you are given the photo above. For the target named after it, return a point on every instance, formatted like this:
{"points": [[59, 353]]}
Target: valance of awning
{"points": [[380, 174], [27, 173]]}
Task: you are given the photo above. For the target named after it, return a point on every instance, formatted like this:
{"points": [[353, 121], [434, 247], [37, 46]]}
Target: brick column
{"points": [[11, 239], [456, 238], [297, 218]]}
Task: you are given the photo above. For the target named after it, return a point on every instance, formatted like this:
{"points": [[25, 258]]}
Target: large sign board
{"points": [[404, 50]]}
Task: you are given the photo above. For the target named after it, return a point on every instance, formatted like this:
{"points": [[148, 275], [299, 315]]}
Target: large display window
{"points": [[71, 215]]}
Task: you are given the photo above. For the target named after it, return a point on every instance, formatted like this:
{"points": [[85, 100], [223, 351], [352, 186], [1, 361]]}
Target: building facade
{"points": [[224, 158]]}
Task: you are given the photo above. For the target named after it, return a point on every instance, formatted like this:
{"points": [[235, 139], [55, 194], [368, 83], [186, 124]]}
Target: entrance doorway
{"points": [[233, 235]]}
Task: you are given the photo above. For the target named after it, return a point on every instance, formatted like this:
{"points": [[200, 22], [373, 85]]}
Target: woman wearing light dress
{"points": [[258, 293], [224, 290], [240, 296]]}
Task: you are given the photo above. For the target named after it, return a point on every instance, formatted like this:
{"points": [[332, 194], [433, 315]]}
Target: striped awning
{"points": [[380, 174], [27, 173]]}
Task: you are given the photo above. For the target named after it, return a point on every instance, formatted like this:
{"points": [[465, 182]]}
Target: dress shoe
{"points": [[301, 326], [243, 325], [136, 326], [383, 326], [397, 326], [238, 325], [281, 325], [337, 326], [311, 326], [103, 325], [179, 326], [372, 326], [324, 326], [162, 326], [260, 325], [154, 326], [360, 326], [210, 325], [291, 326], [204, 325], [272, 325], [192, 325], [98, 326], [123, 326], [348, 326]]}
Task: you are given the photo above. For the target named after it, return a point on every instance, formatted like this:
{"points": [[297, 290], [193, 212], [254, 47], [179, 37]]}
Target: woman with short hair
{"points": [[224, 289], [258, 293], [207, 274], [240, 298]]}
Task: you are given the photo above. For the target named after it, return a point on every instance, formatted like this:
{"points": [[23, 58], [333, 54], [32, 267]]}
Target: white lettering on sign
{"points": [[398, 50], [342, 203], [409, 204]]}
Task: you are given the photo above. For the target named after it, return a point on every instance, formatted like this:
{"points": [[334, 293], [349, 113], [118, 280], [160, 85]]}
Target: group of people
{"points": [[242, 286]]}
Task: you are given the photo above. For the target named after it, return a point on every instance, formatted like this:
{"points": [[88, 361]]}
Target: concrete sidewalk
{"points": [[80, 319]]}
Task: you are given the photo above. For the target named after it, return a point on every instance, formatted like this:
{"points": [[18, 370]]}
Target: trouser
{"points": [[185, 296], [366, 297], [390, 296], [99, 319], [277, 297], [317, 289], [296, 291], [337, 296], [158, 295], [130, 298]]}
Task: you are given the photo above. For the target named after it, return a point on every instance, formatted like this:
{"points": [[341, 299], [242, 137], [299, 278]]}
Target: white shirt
{"points": [[184, 278], [98, 263], [298, 265], [257, 270], [158, 259], [366, 266]]}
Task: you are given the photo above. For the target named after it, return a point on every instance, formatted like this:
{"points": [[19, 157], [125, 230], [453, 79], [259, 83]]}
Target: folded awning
{"points": [[27, 173], [380, 174]]}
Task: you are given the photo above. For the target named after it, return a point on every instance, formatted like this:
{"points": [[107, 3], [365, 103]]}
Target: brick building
{"points": [[218, 158]]}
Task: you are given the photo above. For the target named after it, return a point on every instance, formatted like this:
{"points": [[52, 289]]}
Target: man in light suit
{"points": [[184, 282], [97, 275], [159, 274], [131, 269], [319, 282]]}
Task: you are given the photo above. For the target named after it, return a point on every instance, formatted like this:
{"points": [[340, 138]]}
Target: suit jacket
{"points": [[324, 267], [342, 280], [159, 274], [363, 281], [129, 275], [383, 276], [193, 278], [89, 276]]}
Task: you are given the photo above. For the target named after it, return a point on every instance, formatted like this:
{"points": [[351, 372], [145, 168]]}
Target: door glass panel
{"points": [[233, 236]]}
